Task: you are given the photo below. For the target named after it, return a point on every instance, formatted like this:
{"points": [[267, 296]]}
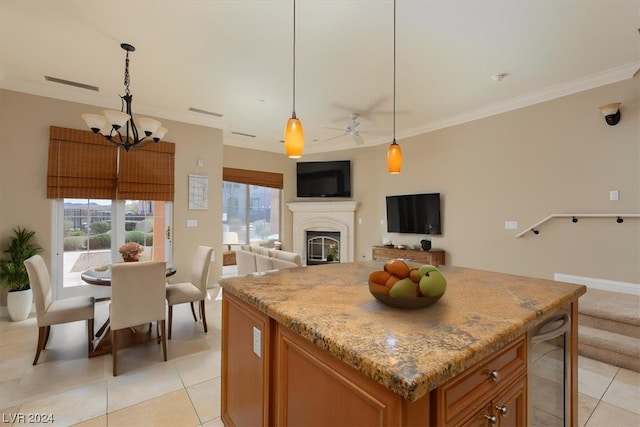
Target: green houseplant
{"points": [[13, 273]]}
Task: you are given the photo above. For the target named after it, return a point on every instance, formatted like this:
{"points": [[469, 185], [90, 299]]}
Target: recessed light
{"points": [[499, 77]]}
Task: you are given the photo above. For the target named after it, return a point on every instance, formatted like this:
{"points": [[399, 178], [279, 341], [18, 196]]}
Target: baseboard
{"points": [[601, 284], [4, 311]]}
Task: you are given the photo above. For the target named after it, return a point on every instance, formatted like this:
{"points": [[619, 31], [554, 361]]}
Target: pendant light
{"points": [[394, 155], [293, 132]]}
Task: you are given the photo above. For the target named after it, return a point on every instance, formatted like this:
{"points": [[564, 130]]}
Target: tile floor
{"points": [[185, 390]]}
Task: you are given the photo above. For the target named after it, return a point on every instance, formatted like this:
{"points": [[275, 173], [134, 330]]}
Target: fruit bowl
{"points": [[416, 302], [400, 286]]}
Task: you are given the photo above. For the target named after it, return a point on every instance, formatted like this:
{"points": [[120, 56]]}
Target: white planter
{"points": [[19, 304]]}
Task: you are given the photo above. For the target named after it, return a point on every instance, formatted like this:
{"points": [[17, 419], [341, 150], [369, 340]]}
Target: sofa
{"points": [[252, 259]]}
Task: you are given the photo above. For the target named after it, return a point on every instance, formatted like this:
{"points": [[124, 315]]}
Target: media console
{"points": [[433, 256]]}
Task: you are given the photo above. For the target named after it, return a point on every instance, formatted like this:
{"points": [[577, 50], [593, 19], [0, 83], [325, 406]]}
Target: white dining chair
{"points": [[137, 298], [196, 290], [50, 312]]}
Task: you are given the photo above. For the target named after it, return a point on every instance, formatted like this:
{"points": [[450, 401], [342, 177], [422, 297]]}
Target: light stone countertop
{"points": [[409, 351]]}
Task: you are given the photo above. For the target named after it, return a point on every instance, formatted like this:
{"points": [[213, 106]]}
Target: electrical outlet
{"points": [[511, 225], [257, 341]]}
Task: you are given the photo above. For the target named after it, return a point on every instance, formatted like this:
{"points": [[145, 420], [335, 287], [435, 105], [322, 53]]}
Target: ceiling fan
{"points": [[355, 127]]}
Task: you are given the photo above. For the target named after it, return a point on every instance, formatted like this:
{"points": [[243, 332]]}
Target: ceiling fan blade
{"points": [[378, 132], [335, 137], [358, 139]]}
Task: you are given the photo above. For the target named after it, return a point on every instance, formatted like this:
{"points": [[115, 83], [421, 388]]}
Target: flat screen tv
{"points": [[323, 179], [414, 213]]}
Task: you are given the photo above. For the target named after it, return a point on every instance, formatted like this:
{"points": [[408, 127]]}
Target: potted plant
{"points": [[131, 251], [13, 273]]}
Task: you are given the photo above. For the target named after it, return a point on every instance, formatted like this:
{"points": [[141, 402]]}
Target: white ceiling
{"points": [[235, 58]]}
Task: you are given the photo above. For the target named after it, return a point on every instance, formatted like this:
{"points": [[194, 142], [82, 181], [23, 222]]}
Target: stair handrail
{"points": [[619, 219]]}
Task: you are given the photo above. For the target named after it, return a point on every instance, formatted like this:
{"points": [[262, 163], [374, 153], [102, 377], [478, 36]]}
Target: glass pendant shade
{"points": [[394, 158], [117, 119], [294, 138], [148, 126], [159, 133], [95, 122]]}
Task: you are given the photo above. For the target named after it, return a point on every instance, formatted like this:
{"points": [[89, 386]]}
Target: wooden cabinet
{"points": [[314, 388], [246, 375], [491, 393], [272, 376], [508, 409], [433, 256], [228, 258]]}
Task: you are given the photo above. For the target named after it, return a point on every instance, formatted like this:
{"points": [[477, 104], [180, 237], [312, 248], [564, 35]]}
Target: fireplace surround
{"points": [[334, 216]]}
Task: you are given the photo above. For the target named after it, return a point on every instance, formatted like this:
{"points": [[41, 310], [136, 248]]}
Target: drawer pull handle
{"points": [[494, 375], [492, 419], [504, 411]]}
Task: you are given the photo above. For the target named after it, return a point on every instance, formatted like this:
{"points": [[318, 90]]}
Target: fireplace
{"points": [[323, 247], [324, 217]]}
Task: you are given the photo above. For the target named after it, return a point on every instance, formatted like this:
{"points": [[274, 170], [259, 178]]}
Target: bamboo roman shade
{"points": [[263, 179], [85, 165]]}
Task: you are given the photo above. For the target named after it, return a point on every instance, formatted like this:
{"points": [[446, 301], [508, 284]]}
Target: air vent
{"points": [[244, 134], [70, 83], [211, 113]]}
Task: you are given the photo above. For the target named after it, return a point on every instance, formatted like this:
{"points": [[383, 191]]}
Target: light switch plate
{"points": [[257, 341], [511, 225], [192, 223], [614, 195]]}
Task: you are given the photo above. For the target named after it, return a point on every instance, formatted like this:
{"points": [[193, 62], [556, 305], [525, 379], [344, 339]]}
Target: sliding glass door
{"points": [[88, 232]]}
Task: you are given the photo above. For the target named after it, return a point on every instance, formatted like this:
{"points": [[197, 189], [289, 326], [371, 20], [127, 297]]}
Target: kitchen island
{"points": [[311, 346]]}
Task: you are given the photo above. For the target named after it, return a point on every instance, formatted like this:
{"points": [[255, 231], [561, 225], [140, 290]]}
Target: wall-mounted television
{"points": [[323, 179], [414, 213]]}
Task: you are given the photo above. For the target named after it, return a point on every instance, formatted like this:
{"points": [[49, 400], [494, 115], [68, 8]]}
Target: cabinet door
{"points": [[510, 406], [245, 364], [507, 409], [314, 389]]}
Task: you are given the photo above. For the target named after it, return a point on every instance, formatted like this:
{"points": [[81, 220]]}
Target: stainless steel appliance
{"points": [[549, 368]]}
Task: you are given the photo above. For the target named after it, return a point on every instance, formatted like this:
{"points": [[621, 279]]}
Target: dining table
{"points": [[101, 276]]}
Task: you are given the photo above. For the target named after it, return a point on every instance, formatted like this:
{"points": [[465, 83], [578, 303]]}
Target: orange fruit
{"points": [[391, 281], [378, 289], [379, 277], [397, 267], [414, 275]]}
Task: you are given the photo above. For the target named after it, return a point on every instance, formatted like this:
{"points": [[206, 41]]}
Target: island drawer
{"points": [[476, 386]]}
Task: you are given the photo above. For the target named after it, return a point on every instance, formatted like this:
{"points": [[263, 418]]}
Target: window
{"points": [[103, 197], [251, 203], [90, 231]]}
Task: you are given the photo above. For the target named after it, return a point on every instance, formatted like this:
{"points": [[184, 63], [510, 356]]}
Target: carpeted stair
{"points": [[609, 328]]}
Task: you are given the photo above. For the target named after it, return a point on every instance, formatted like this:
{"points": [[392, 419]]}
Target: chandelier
{"points": [[119, 127]]}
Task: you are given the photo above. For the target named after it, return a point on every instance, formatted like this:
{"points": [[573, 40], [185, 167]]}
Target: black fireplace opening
{"points": [[323, 247]]}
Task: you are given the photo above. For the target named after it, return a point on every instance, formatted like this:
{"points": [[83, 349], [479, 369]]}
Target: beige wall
{"points": [[25, 121], [554, 157]]}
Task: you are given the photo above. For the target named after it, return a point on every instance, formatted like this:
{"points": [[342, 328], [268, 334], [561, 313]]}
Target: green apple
{"points": [[433, 283], [404, 288], [424, 269]]}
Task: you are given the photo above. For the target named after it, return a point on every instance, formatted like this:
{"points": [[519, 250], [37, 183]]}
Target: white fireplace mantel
{"points": [[324, 216]]}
